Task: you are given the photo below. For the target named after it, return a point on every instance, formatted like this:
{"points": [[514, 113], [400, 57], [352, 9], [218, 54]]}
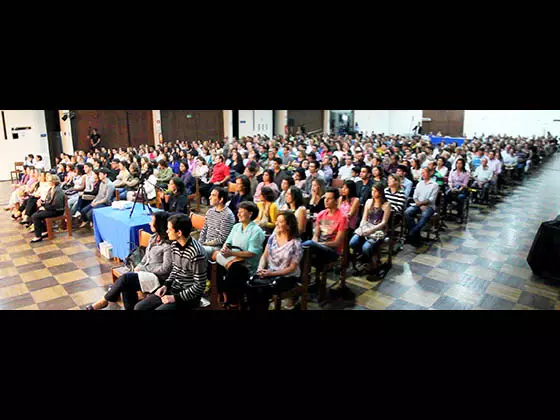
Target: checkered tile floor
{"points": [[478, 266]]}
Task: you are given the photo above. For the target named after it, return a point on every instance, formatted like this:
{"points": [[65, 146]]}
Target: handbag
{"points": [[134, 258], [366, 231], [256, 282], [226, 262], [89, 197]]}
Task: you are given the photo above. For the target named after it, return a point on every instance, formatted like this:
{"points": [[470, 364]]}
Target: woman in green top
{"points": [[164, 175], [245, 244]]}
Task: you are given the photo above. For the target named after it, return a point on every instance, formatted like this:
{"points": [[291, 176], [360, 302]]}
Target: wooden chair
{"points": [[66, 217], [117, 195], [321, 275], [213, 292], [301, 288], [18, 169], [434, 224], [143, 240], [196, 195], [197, 221]]}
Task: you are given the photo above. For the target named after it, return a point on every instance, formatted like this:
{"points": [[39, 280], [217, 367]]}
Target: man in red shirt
{"points": [[330, 226], [220, 176]]}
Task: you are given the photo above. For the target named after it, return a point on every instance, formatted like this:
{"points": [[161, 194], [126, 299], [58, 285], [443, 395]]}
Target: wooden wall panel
{"points": [[449, 122], [110, 124], [141, 127], [202, 125], [312, 119]]}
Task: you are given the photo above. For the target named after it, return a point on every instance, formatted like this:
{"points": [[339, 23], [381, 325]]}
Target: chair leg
{"points": [[50, 232], [323, 286], [277, 303]]}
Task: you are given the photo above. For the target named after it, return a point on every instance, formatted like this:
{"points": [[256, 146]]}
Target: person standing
{"points": [[94, 139]]}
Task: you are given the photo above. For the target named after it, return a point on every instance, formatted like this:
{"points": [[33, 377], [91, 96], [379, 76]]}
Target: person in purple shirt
{"points": [[458, 187]]}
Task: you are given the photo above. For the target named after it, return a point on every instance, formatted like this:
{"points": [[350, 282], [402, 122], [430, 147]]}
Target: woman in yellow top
{"points": [[268, 210]]}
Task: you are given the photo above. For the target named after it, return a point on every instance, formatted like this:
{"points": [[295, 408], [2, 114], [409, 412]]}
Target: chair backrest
{"points": [[117, 195], [143, 238], [18, 166], [197, 221], [305, 266]]}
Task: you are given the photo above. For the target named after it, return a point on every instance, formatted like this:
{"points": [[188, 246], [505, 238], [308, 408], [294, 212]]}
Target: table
{"points": [[115, 226]]}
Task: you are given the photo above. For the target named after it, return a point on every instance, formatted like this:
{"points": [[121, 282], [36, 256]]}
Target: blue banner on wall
{"points": [[447, 140]]}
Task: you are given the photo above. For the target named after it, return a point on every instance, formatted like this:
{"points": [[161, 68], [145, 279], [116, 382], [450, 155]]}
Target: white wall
{"points": [[156, 116], [403, 121], [15, 150], [263, 122], [245, 123], [511, 122], [228, 123], [281, 119]]}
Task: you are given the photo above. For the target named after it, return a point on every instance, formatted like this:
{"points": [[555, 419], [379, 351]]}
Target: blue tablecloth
{"points": [[114, 226], [447, 140]]}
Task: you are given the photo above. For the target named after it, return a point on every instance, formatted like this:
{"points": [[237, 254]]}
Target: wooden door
{"points": [[110, 124], [311, 119], [140, 127], [192, 125], [449, 122]]}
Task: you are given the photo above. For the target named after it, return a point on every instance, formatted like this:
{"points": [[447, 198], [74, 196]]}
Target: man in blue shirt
{"points": [[406, 183]]}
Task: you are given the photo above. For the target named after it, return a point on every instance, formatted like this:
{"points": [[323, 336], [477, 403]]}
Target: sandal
{"points": [[89, 308]]}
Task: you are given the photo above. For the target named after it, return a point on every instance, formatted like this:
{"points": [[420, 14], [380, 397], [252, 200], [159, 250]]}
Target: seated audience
{"points": [[364, 243], [349, 203], [279, 267], [316, 201], [394, 194], [267, 181], [239, 256], [268, 210], [482, 177], [243, 193], [330, 226], [175, 199], [284, 186], [295, 204], [218, 223], [147, 276], [103, 198], [187, 281], [52, 207], [425, 196]]}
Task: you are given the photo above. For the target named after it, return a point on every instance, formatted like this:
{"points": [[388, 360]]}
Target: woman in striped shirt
{"points": [[394, 193]]}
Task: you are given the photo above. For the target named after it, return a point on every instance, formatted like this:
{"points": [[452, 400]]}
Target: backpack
{"points": [[134, 258]]}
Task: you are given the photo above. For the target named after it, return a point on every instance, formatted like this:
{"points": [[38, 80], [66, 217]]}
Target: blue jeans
{"points": [[122, 193], [321, 254], [413, 227], [366, 246], [87, 211]]}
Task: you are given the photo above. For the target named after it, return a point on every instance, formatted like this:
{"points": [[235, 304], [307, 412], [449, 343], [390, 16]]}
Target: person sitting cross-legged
{"points": [[425, 196], [103, 198], [149, 274], [187, 281], [330, 226]]}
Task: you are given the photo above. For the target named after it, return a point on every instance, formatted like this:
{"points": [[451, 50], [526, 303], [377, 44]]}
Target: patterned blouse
{"points": [[281, 257]]}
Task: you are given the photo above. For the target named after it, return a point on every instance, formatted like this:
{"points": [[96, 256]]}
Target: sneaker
{"points": [[78, 214]]}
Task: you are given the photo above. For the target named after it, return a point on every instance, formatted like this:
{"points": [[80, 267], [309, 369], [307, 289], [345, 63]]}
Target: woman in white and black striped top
{"points": [[395, 194]]}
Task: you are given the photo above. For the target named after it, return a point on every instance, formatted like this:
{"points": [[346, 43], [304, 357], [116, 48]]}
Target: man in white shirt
{"points": [[345, 172], [39, 163], [482, 176], [425, 196]]}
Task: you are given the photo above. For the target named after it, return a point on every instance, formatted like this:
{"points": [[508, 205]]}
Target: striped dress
{"points": [[397, 200], [187, 280]]}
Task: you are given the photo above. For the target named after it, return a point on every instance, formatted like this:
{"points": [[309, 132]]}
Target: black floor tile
{"points": [[41, 284], [392, 288], [79, 286], [449, 303], [454, 266], [433, 286], [418, 268], [536, 301], [509, 280], [64, 268], [10, 281], [495, 303], [60, 304], [52, 254], [30, 267], [402, 305], [16, 302], [493, 265], [474, 283]]}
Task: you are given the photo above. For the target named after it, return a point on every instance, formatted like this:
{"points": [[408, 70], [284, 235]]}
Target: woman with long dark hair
{"points": [[268, 181], [377, 212], [243, 193], [279, 266], [175, 199], [149, 274], [294, 200], [186, 176], [349, 203]]}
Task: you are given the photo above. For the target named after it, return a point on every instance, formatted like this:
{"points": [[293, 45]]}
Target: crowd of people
{"points": [[268, 198]]}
